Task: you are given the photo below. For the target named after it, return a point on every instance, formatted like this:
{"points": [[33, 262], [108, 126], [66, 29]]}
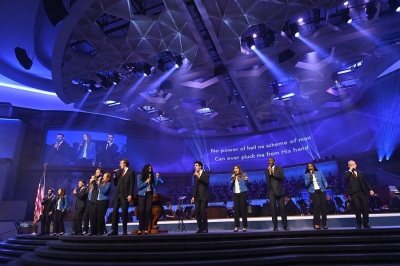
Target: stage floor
{"points": [[339, 221]]}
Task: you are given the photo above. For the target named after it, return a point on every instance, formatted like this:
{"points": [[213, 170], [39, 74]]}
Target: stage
{"points": [[264, 223]]}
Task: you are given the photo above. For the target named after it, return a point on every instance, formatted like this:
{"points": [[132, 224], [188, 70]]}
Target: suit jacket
{"points": [[49, 204], [104, 191], [275, 182], [142, 185], [351, 188], [59, 156], [242, 184], [200, 190], [125, 184], [81, 198], [62, 204], [109, 155], [322, 183], [90, 151]]}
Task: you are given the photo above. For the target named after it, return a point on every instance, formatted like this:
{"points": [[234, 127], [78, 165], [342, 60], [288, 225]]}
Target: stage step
{"points": [[302, 247], [17, 246]]}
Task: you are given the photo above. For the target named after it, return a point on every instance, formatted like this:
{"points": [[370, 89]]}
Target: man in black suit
{"points": [[59, 151], [80, 204], [359, 189], [124, 180], [201, 196], [275, 177], [108, 152], [48, 211]]}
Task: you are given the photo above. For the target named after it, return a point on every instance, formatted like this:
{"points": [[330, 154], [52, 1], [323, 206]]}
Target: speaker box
{"points": [[23, 58], [286, 55], [55, 11]]}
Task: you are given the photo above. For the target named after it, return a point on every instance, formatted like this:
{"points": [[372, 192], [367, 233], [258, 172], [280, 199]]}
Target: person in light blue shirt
{"points": [[316, 183], [239, 182]]}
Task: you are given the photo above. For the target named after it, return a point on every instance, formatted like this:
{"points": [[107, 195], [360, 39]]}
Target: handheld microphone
{"points": [[116, 171]]}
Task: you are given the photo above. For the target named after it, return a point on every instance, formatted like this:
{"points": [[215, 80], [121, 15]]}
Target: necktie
{"points": [[124, 172]]}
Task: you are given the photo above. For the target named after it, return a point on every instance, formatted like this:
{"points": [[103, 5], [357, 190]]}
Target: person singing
{"points": [[80, 204], [359, 189], [124, 180], [102, 202], [61, 208], [201, 196], [146, 184], [239, 182], [275, 177], [316, 183], [48, 203]]}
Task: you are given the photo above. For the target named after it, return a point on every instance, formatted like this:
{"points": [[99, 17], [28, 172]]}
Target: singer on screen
{"points": [[147, 182], [316, 183]]}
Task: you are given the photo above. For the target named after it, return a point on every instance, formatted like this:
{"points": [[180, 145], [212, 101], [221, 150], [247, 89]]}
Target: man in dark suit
{"points": [[59, 151], [275, 177], [48, 211], [201, 196], [80, 204], [359, 189], [125, 182], [108, 152]]}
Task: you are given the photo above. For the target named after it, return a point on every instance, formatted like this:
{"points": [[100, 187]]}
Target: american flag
{"points": [[38, 202]]}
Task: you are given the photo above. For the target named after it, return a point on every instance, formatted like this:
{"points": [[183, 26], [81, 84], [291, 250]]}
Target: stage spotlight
{"points": [[147, 69], [294, 30], [116, 78], [346, 18], [371, 10], [250, 43], [394, 5], [178, 61]]}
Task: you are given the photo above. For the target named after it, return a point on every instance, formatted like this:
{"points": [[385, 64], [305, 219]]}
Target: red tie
{"points": [[123, 173]]}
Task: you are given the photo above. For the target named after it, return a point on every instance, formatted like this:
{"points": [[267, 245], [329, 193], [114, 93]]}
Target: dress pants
{"points": [[59, 222], [281, 204], [145, 208], [77, 220], [45, 222], [101, 206], [122, 202], [201, 214], [360, 203], [240, 208], [319, 199]]}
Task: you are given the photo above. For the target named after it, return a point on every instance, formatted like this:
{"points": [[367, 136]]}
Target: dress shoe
{"points": [[105, 232], [98, 234], [113, 233], [286, 228], [325, 227], [62, 233], [146, 232], [367, 226], [139, 232], [275, 229], [90, 234], [244, 229], [205, 231], [358, 226], [124, 233], [41, 234], [199, 231], [84, 233], [235, 230], [72, 234], [317, 227]]}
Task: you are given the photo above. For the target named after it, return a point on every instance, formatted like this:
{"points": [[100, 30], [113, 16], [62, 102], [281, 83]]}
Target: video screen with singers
{"points": [[65, 147]]}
